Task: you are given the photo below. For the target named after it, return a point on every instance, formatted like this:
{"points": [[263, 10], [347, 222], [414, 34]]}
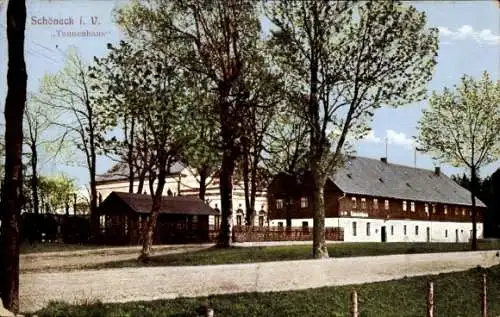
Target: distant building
{"points": [[181, 181], [374, 200]]}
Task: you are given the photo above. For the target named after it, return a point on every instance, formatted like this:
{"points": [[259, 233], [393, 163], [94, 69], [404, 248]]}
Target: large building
{"points": [[374, 200], [182, 181]]}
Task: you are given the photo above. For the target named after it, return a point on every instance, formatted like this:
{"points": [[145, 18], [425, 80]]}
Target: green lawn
{"points": [[456, 295], [293, 252]]}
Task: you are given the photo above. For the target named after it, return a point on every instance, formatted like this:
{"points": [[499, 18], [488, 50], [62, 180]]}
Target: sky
{"points": [[469, 44]]}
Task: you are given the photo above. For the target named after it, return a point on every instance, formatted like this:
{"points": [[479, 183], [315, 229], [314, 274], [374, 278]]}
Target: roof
{"points": [[371, 177], [175, 205], [120, 172]]}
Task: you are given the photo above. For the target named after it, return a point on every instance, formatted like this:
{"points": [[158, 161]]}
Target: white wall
{"points": [[437, 229]]}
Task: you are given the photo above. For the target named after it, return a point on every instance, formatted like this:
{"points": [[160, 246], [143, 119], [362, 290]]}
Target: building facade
{"points": [[182, 181], [373, 200]]}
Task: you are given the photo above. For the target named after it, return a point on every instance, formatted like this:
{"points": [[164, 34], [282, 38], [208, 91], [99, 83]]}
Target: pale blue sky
{"points": [[470, 44]]}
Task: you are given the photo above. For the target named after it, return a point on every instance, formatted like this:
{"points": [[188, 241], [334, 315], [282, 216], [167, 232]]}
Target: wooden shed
{"points": [[181, 219]]}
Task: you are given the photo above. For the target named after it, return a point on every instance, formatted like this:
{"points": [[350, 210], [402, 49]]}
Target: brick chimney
{"points": [[384, 159], [437, 170]]}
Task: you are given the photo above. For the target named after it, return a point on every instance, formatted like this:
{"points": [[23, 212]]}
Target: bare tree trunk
{"points": [[130, 155], [203, 183], [157, 196], [474, 211], [34, 178], [12, 186], [318, 204], [226, 192]]}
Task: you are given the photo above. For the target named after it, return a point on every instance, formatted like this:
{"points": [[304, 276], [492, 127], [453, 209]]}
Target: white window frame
{"points": [[304, 203], [386, 204], [426, 208], [404, 205], [375, 203], [354, 202], [363, 203], [279, 204], [412, 206], [445, 209]]}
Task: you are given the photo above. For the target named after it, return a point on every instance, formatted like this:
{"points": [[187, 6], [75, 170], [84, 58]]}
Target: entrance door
{"points": [[428, 234], [384, 234]]}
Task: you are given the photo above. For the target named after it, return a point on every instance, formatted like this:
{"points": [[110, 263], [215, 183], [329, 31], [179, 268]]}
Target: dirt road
{"points": [[133, 284]]}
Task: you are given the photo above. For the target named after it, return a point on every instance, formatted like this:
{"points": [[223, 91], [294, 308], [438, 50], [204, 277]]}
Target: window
{"points": [[426, 208], [416, 230], [238, 220], [216, 222], [363, 203], [404, 205], [456, 211], [195, 219], [103, 223], [412, 206], [445, 209], [446, 233], [303, 202], [386, 204], [354, 231], [392, 230], [375, 203], [404, 230], [353, 202], [279, 203], [305, 225], [280, 225], [367, 228], [433, 208], [261, 221], [463, 211]]}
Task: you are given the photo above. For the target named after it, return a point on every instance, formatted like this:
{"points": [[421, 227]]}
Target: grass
{"points": [[233, 255], [456, 295]]}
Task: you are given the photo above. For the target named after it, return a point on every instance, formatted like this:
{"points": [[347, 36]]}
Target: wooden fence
{"points": [[257, 234]]}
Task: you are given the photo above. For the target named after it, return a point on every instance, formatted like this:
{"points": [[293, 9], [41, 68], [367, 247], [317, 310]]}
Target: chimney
{"points": [[437, 170], [384, 159]]}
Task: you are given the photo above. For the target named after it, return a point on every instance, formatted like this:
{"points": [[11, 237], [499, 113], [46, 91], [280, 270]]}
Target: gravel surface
{"points": [[149, 283]]}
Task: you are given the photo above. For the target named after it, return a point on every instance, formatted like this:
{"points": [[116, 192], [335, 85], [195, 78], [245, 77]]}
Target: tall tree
{"points": [[349, 58], [217, 40], [461, 127], [68, 93], [13, 181]]}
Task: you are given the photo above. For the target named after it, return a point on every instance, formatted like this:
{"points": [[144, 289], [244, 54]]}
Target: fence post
{"points": [[430, 300], [354, 304], [484, 298]]}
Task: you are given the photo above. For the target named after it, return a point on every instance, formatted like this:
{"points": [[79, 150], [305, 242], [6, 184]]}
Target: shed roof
{"points": [[371, 177], [175, 205]]}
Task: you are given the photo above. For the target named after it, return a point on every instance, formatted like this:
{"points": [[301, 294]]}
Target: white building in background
{"points": [[181, 180], [373, 200]]}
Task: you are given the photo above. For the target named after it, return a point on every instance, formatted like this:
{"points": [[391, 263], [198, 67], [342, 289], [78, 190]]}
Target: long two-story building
{"points": [[374, 200]]}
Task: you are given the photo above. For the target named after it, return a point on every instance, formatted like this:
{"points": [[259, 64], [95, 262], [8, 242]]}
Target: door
{"points": [[384, 234], [428, 234]]}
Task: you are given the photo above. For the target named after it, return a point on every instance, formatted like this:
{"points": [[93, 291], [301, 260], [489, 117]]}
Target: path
{"points": [[133, 284]]}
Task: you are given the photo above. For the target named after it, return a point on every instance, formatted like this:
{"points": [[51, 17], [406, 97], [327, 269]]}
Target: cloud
{"points": [[392, 137], [465, 32], [399, 138]]}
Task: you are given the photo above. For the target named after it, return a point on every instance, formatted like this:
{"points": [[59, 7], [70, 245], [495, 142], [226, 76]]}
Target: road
{"points": [[134, 284]]}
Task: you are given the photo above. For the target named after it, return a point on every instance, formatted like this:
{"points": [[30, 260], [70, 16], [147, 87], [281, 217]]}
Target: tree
{"points": [[347, 59], [216, 39], [39, 141], [56, 193], [461, 127], [12, 184], [68, 93]]}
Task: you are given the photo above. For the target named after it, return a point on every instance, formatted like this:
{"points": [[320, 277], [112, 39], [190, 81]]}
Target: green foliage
{"points": [[56, 192], [461, 126], [349, 58]]}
